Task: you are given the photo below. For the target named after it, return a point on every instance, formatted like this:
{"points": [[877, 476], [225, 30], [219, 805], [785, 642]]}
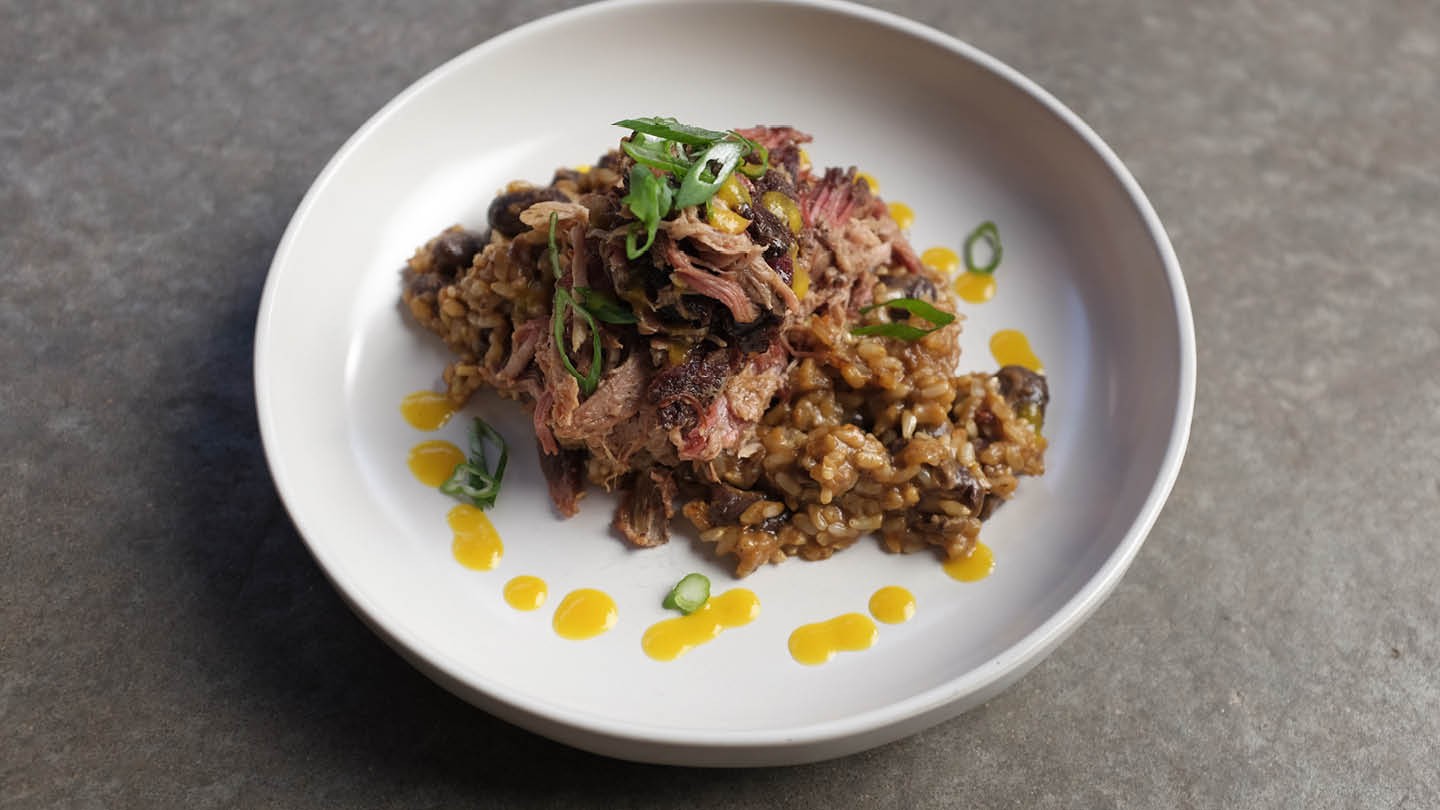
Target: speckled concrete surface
{"points": [[166, 641]]}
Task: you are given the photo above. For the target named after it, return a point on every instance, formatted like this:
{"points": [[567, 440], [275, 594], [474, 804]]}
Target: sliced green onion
{"points": [[602, 306], [991, 235], [694, 187], [915, 306], [649, 200], [689, 594], [904, 331], [554, 251], [670, 147], [762, 154], [589, 381], [656, 154], [473, 481], [673, 130]]}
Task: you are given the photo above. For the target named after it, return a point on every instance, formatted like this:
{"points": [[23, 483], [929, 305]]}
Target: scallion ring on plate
{"points": [[991, 235]]}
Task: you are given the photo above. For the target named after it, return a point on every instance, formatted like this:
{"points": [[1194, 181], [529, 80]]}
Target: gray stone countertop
{"points": [[167, 641]]}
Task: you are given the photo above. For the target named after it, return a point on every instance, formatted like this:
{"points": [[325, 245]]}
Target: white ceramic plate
{"points": [[1088, 274]]}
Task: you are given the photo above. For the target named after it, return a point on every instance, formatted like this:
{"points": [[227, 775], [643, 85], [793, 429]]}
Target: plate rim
{"points": [[589, 730]]}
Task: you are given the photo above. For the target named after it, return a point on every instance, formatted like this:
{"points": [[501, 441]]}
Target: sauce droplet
{"points": [[869, 180], [892, 605], [476, 545], [434, 461], [672, 638], [426, 410], [903, 215], [525, 592], [583, 614], [973, 568], [814, 644], [942, 259], [1011, 348], [977, 288]]}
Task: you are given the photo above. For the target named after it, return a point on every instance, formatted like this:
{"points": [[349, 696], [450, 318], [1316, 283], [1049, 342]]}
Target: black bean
{"points": [[992, 502], [768, 231], [1020, 385], [453, 251], [960, 485], [504, 214]]}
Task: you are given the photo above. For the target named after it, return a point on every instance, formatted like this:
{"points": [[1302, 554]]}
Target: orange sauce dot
{"points": [[672, 638], [942, 259], [892, 605], [1010, 347], [426, 410], [583, 614], [525, 593], [434, 461], [476, 545], [973, 568], [903, 215], [977, 288], [814, 644]]}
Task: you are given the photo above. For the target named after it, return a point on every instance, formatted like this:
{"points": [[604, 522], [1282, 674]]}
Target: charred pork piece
{"points": [[646, 508], [565, 476]]}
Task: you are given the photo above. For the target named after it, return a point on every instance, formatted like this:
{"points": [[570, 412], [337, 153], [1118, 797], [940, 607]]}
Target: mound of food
{"points": [[706, 325]]}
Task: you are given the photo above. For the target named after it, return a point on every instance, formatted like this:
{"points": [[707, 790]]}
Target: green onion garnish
{"points": [[589, 381], [649, 200], [762, 165], [592, 305], [663, 155], [602, 306], [473, 481], [700, 182], [683, 155], [553, 250], [991, 235], [689, 594], [905, 331], [672, 130]]}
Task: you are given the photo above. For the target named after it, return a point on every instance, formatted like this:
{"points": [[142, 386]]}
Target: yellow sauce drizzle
{"points": [[672, 638], [525, 592], [583, 614], [903, 215], [476, 545], [804, 161], [977, 288], [426, 410], [1011, 348], [973, 568], [814, 644], [892, 605], [869, 180], [583, 168], [942, 259], [434, 461]]}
